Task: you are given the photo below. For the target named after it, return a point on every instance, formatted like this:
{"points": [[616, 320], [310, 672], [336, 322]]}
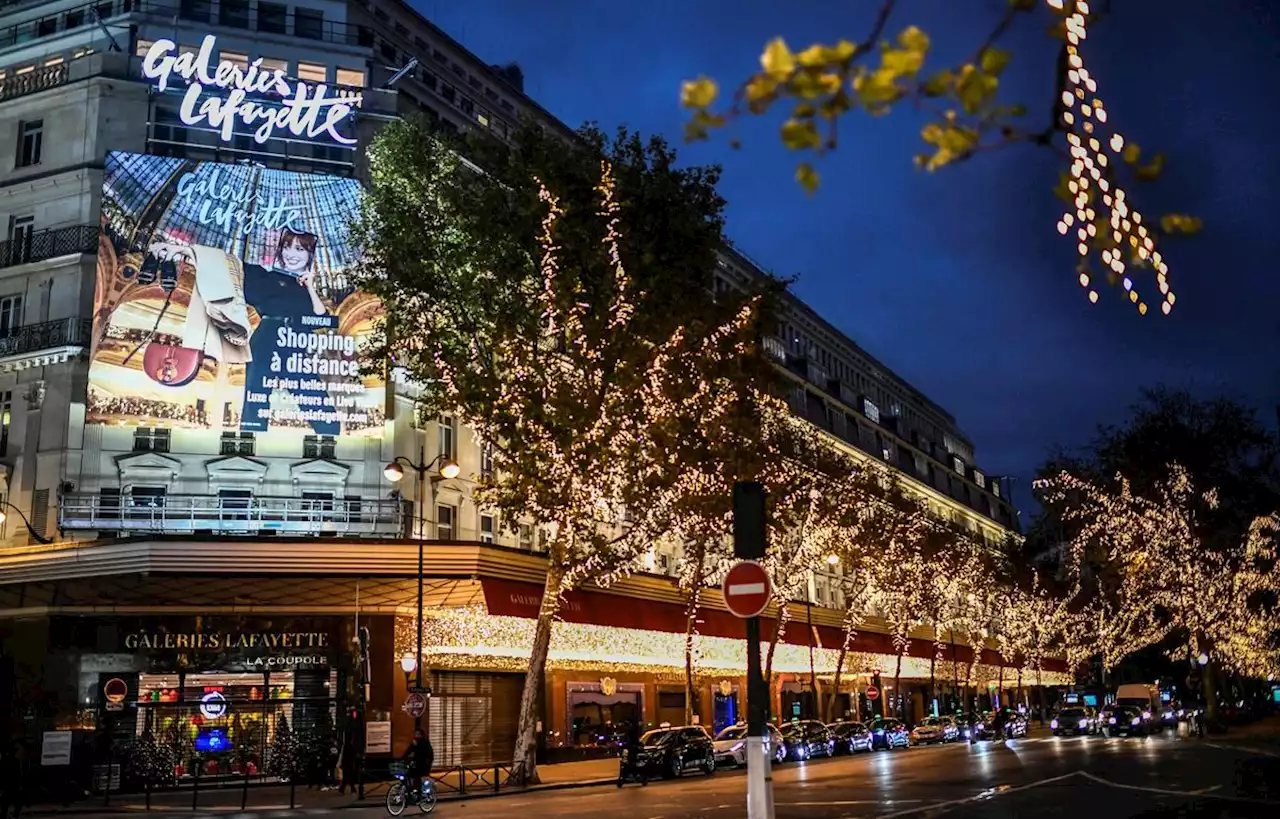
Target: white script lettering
{"points": [[298, 112]]}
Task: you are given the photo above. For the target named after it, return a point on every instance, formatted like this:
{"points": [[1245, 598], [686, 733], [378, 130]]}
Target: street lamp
{"points": [[36, 536], [394, 472]]}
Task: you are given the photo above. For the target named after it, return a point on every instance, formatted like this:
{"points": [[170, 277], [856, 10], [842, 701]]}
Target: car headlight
{"points": [[1146, 715], [1053, 723], [1112, 721], [1084, 723], [980, 725], [1135, 721]]}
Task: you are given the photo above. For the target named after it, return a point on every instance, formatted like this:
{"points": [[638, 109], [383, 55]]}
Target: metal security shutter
{"points": [[472, 717], [40, 512]]}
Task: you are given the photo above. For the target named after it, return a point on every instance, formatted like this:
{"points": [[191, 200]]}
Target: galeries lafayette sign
{"points": [[302, 109]]}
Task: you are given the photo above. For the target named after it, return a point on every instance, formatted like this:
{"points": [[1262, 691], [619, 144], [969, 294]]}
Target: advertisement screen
{"points": [[223, 301]]}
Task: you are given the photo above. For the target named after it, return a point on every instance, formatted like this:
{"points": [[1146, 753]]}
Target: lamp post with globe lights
{"points": [[394, 472]]}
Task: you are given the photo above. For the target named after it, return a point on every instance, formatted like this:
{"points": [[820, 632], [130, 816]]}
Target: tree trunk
{"points": [[897, 684], [813, 672], [1209, 679], [779, 631], [933, 688], [691, 619], [999, 684], [524, 759], [955, 670], [835, 686]]}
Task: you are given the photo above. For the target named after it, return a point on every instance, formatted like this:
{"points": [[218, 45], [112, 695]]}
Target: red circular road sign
{"points": [[872, 692], [415, 705], [747, 589]]}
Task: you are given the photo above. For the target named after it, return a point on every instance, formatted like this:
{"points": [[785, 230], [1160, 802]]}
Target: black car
{"points": [[1123, 721], [979, 725], [1071, 721], [850, 737], [671, 752], [807, 739], [889, 734]]}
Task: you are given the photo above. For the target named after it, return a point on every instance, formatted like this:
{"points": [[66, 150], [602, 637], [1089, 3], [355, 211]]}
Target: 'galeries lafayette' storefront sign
{"points": [[222, 640], [303, 109]]}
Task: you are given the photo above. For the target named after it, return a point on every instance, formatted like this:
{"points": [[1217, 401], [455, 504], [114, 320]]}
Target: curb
{"points": [[284, 811]]}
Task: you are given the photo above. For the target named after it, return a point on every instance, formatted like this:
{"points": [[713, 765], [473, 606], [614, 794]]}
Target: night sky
{"points": [[958, 280]]}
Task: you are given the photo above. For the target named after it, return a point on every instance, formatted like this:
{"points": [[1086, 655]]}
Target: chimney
{"points": [[512, 74]]}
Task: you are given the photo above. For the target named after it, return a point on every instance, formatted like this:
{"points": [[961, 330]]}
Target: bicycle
{"points": [[398, 794]]}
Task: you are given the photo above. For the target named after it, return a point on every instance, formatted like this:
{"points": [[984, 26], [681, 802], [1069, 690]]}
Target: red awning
{"points": [[509, 598]]}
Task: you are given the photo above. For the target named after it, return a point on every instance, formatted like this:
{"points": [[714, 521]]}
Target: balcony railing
{"points": [[40, 79], [47, 335], [196, 514], [48, 244]]}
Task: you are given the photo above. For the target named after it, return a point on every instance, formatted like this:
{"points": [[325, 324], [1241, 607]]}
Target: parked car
{"points": [[673, 751], [1124, 720], [934, 730], [1072, 721], [731, 745], [807, 739], [850, 737], [889, 734]]}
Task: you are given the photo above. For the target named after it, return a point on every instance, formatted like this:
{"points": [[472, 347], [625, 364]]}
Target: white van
{"points": [[1146, 697]]}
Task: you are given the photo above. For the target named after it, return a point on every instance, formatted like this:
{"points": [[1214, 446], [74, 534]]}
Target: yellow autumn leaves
{"points": [[822, 82]]}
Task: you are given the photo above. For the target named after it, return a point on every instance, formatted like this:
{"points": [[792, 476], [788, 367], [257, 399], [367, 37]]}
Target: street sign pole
{"points": [[749, 544]]}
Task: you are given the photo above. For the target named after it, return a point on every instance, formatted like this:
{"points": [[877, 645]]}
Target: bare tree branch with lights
{"points": [[560, 303]]}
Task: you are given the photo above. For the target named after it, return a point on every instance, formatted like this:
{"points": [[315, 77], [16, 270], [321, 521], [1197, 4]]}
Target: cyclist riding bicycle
{"points": [[419, 756]]}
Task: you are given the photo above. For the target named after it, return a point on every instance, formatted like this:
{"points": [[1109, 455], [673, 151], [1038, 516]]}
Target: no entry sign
{"points": [[747, 589], [872, 692], [415, 705]]}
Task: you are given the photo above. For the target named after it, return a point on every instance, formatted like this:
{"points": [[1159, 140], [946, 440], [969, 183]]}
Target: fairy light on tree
{"points": [[1170, 584], [574, 336]]}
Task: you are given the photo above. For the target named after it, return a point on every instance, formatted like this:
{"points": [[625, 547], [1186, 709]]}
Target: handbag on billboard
{"points": [[171, 365]]}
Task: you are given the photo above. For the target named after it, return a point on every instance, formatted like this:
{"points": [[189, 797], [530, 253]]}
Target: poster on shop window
{"points": [[223, 301]]}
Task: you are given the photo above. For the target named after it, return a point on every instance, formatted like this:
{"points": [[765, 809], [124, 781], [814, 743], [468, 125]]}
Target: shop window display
{"points": [[601, 719], [231, 724]]}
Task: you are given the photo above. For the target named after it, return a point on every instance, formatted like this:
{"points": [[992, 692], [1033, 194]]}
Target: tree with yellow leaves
{"points": [[821, 85]]}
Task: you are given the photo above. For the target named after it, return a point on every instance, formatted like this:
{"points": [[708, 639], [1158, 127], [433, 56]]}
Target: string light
{"points": [[469, 637], [1170, 580], [1091, 181]]}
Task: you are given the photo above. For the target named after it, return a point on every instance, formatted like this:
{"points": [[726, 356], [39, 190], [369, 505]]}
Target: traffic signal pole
{"points": [[749, 544]]}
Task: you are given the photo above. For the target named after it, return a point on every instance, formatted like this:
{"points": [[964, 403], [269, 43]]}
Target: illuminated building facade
{"points": [[181, 421]]}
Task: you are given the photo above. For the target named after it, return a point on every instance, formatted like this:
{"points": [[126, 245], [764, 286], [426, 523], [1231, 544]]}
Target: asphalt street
{"points": [[1079, 777], [1087, 777]]}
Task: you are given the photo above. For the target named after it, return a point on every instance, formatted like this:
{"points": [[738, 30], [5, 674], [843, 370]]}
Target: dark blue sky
{"points": [[958, 280]]}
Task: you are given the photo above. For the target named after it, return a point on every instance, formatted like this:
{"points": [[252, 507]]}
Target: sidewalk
{"points": [[451, 785]]}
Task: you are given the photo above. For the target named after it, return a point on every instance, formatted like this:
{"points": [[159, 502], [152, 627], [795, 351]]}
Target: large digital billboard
{"points": [[223, 301]]}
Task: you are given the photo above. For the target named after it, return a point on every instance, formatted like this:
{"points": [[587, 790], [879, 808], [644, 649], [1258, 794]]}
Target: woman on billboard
{"points": [[284, 296]]}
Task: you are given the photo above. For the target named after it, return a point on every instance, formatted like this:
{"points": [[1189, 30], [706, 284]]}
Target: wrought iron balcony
{"points": [[25, 248], [47, 335], [197, 514]]}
